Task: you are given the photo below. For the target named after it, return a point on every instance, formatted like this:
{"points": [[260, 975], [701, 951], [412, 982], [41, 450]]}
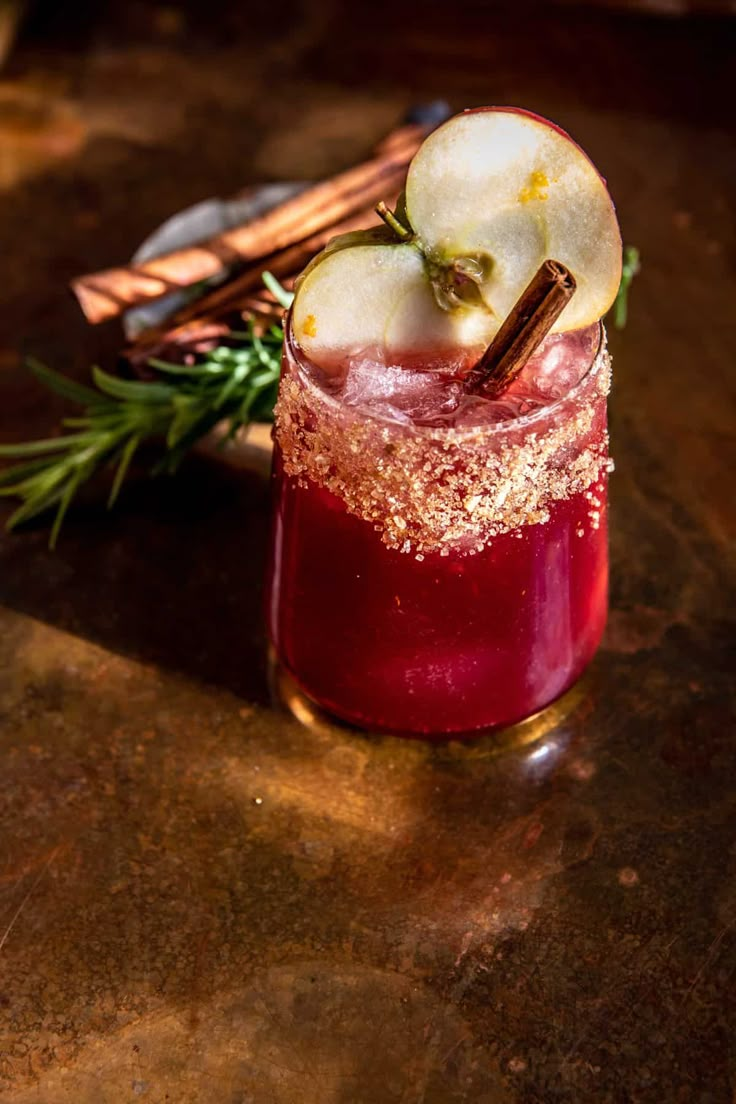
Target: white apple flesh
{"points": [[513, 190], [377, 300]]}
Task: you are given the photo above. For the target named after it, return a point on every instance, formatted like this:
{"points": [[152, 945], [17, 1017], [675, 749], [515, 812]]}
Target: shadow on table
{"points": [[173, 576]]}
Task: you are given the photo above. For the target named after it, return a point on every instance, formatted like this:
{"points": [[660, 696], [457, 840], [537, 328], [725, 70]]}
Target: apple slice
{"points": [[490, 195], [509, 189], [365, 296]]}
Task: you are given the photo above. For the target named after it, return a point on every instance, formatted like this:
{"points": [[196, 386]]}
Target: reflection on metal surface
{"points": [[486, 743]]}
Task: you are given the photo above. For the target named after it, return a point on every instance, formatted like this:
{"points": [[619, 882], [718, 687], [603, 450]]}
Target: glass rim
{"points": [[509, 425]]}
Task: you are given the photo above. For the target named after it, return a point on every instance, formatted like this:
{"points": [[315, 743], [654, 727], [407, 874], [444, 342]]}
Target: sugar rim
{"points": [[429, 488], [301, 361]]}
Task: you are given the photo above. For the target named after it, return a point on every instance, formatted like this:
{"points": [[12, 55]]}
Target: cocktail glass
{"points": [[443, 579]]}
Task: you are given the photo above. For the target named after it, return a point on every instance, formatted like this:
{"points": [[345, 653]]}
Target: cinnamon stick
{"points": [[526, 326], [234, 295], [411, 133], [104, 295]]}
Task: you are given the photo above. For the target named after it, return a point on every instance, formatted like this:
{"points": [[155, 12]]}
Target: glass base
{"points": [[288, 695]]}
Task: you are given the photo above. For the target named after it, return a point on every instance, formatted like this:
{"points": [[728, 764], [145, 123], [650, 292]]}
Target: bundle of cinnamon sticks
{"points": [[282, 241]]}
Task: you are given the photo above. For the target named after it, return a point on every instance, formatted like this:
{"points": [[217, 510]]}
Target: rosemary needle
{"points": [[629, 269]]}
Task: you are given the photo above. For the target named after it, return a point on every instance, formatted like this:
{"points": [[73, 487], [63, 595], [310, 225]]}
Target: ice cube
{"points": [[474, 410], [558, 365], [399, 392], [368, 380]]}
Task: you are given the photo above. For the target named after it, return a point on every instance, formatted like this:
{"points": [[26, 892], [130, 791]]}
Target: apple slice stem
{"points": [[403, 233], [524, 329]]}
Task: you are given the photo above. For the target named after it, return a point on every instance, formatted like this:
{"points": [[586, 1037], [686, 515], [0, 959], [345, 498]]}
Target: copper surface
{"points": [[202, 900]]}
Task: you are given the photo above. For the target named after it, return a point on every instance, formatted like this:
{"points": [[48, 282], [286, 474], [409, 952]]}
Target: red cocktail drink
{"points": [[440, 560]]}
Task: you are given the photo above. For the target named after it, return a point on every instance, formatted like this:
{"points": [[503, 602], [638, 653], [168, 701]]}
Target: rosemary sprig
{"points": [[631, 266], [234, 382]]}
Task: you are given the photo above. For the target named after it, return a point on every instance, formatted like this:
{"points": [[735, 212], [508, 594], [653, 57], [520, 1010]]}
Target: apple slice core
{"points": [[377, 300]]}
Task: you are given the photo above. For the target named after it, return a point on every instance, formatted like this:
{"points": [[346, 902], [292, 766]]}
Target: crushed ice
{"points": [[436, 396]]}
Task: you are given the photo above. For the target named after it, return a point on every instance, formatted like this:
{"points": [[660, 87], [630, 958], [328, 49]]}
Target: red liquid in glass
{"points": [[446, 644]]}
